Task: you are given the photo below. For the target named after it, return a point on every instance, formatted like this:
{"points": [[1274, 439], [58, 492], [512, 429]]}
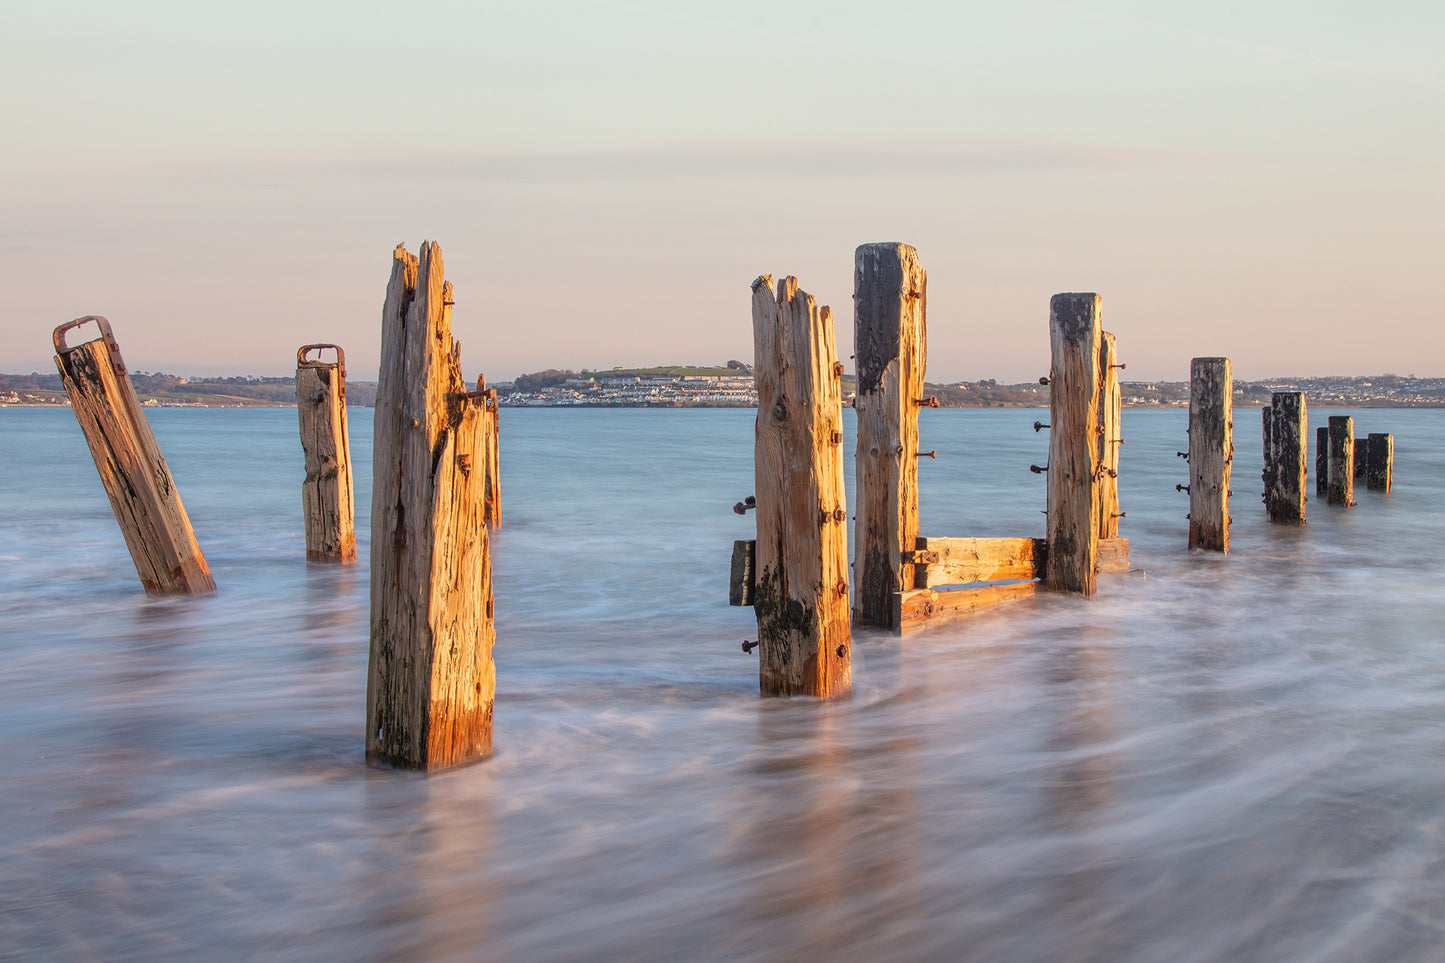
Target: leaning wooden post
{"points": [[431, 679], [801, 596], [1341, 488], [1075, 340], [327, 500], [1285, 433], [1322, 461], [890, 342], [1211, 452], [1110, 437], [132, 469], [1380, 473]]}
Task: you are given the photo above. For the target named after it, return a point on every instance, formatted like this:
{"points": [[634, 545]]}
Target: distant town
{"points": [[728, 386]]}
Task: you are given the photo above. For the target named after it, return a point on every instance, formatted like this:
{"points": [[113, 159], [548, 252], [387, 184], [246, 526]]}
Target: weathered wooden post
{"points": [[1110, 437], [132, 469], [1341, 490], [1211, 452], [890, 337], [1075, 341], [431, 679], [1362, 458], [493, 460], [1322, 461], [801, 595], [1380, 476], [1286, 422], [327, 499]]}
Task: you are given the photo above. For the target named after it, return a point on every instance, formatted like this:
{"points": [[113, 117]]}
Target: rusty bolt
{"points": [[925, 454], [742, 507], [842, 651], [837, 438], [929, 402], [1040, 426], [1181, 488], [749, 646], [1043, 381], [1037, 470]]}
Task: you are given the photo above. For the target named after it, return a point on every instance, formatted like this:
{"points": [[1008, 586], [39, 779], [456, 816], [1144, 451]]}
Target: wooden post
{"points": [[1362, 458], [1381, 474], [431, 678], [1341, 490], [132, 469], [492, 463], [1075, 340], [1211, 452], [890, 337], [1110, 437], [1285, 424], [327, 500], [801, 596], [1322, 461]]}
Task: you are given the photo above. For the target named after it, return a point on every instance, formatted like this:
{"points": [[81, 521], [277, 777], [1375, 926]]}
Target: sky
{"points": [[226, 182]]}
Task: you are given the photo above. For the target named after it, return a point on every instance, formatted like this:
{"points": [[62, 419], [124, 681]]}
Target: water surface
{"points": [[1216, 758]]}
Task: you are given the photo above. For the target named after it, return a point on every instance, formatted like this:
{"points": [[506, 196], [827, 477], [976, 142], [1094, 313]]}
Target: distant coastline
{"points": [[730, 386]]}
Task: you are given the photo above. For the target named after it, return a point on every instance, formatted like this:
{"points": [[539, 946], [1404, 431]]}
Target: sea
{"points": [[1218, 757]]}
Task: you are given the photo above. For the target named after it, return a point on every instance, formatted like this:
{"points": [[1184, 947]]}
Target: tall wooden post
{"points": [[1341, 489], [132, 469], [431, 678], [890, 338], [1322, 461], [1075, 341], [1286, 422], [1380, 474], [1211, 452], [801, 597], [1110, 437], [493, 459], [327, 500]]}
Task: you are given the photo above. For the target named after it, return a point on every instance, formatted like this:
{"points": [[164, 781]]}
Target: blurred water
{"points": [[1222, 757]]}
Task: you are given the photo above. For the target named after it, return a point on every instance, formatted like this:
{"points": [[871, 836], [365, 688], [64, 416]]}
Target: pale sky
{"points": [[226, 182]]}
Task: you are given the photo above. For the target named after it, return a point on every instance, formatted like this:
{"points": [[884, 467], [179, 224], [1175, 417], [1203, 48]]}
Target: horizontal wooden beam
{"points": [[1113, 555], [913, 608], [962, 561], [965, 560]]}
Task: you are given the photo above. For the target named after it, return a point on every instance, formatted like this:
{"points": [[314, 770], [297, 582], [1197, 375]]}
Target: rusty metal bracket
{"points": [[920, 557], [106, 335], [306, 349]]}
